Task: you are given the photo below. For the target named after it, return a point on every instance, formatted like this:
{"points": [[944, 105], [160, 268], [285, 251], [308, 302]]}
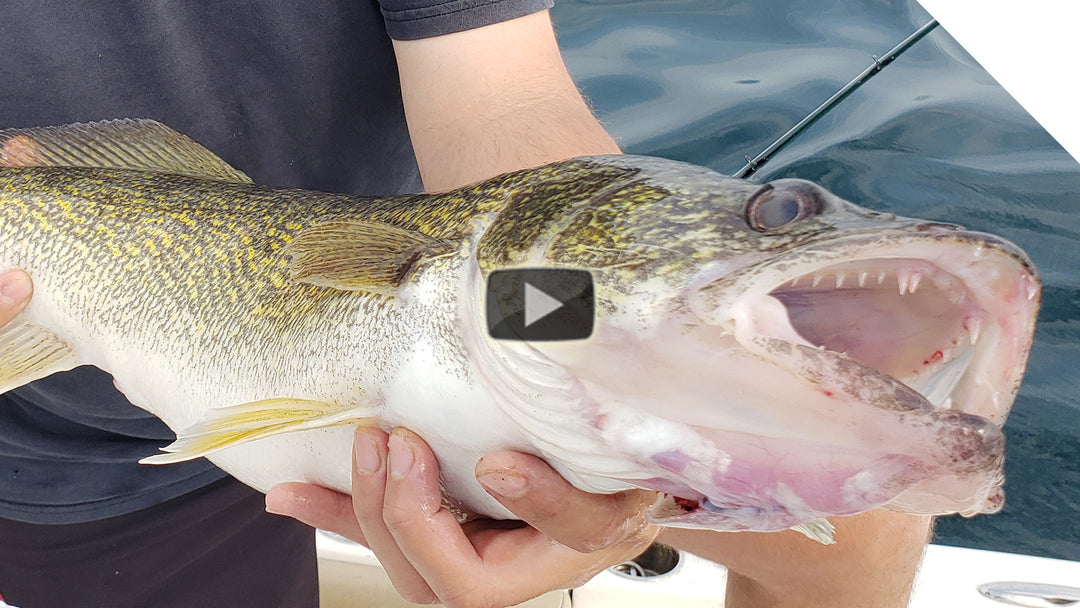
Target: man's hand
{"points": [[567, 535], [15, 291]]}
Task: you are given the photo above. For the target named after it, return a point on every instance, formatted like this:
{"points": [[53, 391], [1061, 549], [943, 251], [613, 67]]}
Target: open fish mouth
{"points": [[934, 322], [948, 313], [908, 318]]}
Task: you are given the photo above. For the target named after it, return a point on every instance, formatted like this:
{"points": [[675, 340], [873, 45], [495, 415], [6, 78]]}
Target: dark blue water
{"points": [[932, 136]]}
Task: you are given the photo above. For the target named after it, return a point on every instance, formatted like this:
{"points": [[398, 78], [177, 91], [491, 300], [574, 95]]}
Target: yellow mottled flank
{"points": [[208, 249], [202, 262]]}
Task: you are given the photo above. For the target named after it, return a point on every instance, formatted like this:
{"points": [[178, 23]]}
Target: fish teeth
{"points": [[795, 281], [862, 278], [903, 277], [973, 325], [913, 283], [1032, 289], [840, 280], [817, 280], [881, 277]]}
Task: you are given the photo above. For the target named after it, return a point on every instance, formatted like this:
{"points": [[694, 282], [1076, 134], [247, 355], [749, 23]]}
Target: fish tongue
{"points": [[837, 375], [763, 327]]}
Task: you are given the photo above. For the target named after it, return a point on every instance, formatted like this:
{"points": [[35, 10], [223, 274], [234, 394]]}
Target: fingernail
{"points": [[273, 506], [366, 454], [281, 503], [17, 288], [399, 455], [504, 482]]}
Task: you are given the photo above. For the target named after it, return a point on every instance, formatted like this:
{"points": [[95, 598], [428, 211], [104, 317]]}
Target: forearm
{"points": [[872, 564], [491, 100]]}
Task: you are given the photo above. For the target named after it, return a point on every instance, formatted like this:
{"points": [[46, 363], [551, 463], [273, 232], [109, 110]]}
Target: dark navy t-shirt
{"points": [[293, 93]]}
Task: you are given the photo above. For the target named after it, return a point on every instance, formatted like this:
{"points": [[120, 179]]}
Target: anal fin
{"points": [[30, 352], [225, 427]]}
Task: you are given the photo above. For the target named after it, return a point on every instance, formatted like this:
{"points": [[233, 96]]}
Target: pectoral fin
{"points": [[29, 352], [224, 427], [819, 529], [360, 255], [141, 144]]}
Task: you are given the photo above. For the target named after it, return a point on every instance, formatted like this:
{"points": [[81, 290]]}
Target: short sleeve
{"points": [[415, 19]]}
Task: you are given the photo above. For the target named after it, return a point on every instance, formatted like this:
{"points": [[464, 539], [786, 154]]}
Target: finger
{"points": [[537, 494], [517, 563], [484, 563], [370, 460], [525, 563], [317, 507], [428, 534], [15, 291]]}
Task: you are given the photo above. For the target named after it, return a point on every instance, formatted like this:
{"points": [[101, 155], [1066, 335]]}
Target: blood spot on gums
{"points": [[685, 503]]}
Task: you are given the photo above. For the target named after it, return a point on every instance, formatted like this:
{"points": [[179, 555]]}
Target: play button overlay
{"points": [[540, 304]]}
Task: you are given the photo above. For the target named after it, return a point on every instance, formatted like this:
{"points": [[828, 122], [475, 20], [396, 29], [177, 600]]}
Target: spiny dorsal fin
{"points": [[139, 144], [225, 427], [29, 352], [360, 255]]}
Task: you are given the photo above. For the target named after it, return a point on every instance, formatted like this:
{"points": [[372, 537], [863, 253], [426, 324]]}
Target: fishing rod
{"points": [[752, 164]]}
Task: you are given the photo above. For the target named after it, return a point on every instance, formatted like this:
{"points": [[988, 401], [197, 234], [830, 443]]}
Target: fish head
{"points": [[764, 355]]}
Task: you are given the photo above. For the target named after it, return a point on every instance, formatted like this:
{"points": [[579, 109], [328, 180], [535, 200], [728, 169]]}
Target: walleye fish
{"points": [[763, 355]]}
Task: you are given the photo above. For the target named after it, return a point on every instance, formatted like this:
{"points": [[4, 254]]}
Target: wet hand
{"points": [[566, 536]]}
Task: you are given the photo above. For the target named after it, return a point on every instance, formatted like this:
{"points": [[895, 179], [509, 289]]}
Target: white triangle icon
{"points": [[538, 304]]}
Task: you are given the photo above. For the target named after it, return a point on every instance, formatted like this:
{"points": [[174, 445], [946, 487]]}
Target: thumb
{"points": [[15, 291]]}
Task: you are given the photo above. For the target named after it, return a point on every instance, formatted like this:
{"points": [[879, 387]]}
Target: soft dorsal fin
{"points": [[360, 255], [139, 144]]}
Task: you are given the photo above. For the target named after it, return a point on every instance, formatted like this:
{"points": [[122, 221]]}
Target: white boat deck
{"points": [[350, 576]]}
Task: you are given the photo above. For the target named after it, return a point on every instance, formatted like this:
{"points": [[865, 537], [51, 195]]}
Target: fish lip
{"points": [[999, 281]]}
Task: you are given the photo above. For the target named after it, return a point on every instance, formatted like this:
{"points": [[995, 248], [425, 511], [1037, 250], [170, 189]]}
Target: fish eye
{"points": [[771, 208]]}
